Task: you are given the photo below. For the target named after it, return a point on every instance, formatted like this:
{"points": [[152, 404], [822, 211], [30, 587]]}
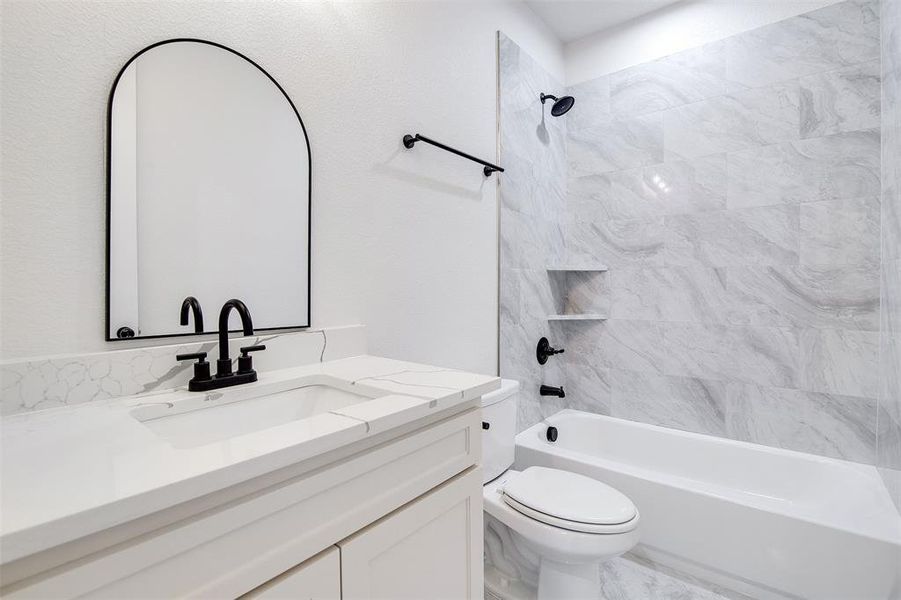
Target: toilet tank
{"points": [[499, 438]]}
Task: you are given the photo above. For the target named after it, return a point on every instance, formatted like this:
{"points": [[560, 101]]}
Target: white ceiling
{"points": [[573, 19]]}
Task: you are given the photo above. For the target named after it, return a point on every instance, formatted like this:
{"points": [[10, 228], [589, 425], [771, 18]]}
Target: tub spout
{"points": [[547, 390]]}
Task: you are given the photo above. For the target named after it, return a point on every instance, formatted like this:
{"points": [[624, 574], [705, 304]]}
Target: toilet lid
{"points": [[567, 497]]}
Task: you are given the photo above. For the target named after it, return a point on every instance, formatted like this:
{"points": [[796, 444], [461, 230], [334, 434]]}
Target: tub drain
{"points": [[552, 434]]}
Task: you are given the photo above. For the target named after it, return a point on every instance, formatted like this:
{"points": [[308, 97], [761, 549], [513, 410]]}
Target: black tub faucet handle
{"points": [[544, 350]]}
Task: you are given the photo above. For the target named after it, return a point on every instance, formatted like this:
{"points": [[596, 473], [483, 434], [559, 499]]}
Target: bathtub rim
{"points": [[532, 439]]}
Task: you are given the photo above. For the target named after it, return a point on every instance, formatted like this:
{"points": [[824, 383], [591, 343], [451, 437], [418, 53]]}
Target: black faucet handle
{"points": [[245, 361], [201, 367]]}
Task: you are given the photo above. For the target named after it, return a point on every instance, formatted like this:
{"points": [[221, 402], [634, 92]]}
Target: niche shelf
{"points": [[580, 291], [579, 317]]}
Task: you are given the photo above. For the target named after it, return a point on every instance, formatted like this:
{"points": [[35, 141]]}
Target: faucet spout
{"points": [[193, 305], [224, 364]]}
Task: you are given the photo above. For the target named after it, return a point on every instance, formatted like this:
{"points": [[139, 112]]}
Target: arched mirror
{"points": [[208, 193]]}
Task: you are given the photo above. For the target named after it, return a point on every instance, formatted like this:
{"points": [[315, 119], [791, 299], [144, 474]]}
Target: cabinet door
{"points": [[318, 578], [430, 548]]}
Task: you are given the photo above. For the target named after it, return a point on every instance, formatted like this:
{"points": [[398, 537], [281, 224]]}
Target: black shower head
{"points": [[561, 105]]}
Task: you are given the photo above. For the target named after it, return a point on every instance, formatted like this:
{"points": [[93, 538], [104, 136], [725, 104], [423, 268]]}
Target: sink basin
{"points": [[203, 418]]}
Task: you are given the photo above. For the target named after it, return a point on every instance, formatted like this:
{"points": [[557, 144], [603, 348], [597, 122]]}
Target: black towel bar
{"points": [[410, 141]]}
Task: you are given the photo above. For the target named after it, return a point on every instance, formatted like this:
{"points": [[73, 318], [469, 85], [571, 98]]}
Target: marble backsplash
{"points": [[42, 383], [734, 192]]}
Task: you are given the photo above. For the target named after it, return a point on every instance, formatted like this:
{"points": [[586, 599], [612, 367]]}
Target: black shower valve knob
{"points": [[544, 350]]}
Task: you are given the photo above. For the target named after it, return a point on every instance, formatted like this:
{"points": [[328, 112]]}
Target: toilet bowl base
{"points": [[561, 581]]}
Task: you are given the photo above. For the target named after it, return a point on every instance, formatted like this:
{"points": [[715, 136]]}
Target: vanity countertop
{"points": [[74, 471]]}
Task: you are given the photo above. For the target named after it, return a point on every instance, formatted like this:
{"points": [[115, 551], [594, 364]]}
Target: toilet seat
{"points": [[570, 525], [570, 501], [557, 543]]}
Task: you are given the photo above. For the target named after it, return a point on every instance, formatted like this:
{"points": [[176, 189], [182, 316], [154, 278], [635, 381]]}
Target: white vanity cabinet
{"points": [[318, 578], [431, 548], [397, 515]]}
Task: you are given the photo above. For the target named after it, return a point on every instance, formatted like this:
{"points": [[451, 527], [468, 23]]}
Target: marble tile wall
{"points": [[43, 383], [889, 416], [734, 192], [532, 213]]}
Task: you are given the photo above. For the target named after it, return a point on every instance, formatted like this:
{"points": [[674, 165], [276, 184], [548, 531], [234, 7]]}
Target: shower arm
{"points": [[410, 141]]}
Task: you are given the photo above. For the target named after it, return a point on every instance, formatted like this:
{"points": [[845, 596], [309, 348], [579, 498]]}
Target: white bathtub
{"points": [[766, 522]]}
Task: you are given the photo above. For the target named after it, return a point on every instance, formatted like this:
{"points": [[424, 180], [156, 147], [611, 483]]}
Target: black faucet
{"points": [[225, 377], [191, 304], [224, 364], [547, 390]]}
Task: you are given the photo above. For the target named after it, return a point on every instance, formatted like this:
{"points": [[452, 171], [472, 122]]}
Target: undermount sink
{"points": [[215, 416]]}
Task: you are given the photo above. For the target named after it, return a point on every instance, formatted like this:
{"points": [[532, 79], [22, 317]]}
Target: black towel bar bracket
{"points": [[410, 141]]}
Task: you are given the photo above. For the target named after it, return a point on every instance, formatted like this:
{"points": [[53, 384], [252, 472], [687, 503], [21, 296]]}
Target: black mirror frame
{"points": [[109, 139]]}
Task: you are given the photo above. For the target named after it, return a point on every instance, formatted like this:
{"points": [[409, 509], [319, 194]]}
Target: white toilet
{"points": [[569, 521]]}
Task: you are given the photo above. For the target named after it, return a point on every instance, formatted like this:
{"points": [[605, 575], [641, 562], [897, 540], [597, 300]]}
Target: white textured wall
{"points": [[404, 242], [672, 29]]}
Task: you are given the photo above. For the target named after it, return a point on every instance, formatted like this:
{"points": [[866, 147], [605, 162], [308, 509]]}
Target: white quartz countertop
{"points": [[74, 471]]}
